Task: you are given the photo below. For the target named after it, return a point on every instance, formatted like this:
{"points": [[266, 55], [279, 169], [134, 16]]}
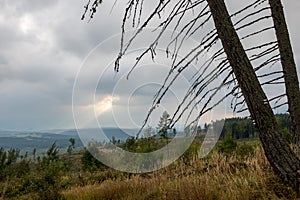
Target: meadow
{"points": [[233, 170]]}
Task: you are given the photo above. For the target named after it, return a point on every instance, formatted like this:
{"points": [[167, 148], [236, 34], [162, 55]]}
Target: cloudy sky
{"points": [[43, 45]]}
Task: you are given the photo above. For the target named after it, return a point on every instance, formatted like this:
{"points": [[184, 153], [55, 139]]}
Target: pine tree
{"points": [[163, 125]]}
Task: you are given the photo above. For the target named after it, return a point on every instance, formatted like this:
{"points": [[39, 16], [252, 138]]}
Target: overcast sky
{"points": [[43, 44]]}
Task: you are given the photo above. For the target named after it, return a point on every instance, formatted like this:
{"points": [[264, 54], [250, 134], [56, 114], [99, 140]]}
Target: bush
{"points": [[227, 145], [37, 180], [90, 163], [7, 161], [47, 181]]}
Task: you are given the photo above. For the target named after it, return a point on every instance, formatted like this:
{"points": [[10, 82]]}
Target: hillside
{"points": [[238, 171], [50, 166]]}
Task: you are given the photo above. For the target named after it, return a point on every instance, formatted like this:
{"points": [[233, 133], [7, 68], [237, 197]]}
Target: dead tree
{"points": [[281, 157], [235, 64], [289, 69]]}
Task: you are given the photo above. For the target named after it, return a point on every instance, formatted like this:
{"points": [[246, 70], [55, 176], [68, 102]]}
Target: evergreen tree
{"points": [[163, 124]]}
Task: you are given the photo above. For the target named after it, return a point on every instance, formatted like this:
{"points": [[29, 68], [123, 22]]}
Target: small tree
{"points": [[52, 153], [34, 154], [47, 182], [71, 146], [7, 159], [163, 124], [130, 144], [113, 140]]}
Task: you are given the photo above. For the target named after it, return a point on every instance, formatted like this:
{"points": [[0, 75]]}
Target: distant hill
{"points": [[28, 140], [37, 140]]}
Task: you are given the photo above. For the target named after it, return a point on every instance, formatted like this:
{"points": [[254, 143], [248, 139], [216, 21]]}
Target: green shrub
{"points": [[46, 180], [227, 145], [7, 161], [37, 180], [90, 163]]}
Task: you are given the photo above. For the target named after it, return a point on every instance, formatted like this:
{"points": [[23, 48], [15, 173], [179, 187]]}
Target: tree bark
{"points": [[289, 68], [277, 150]]}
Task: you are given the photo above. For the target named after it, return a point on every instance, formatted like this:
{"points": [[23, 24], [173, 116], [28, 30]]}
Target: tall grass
{"points": [[218, 176]]}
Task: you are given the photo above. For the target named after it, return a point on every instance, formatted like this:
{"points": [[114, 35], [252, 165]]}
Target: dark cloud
{"points": [[43, 44], [80, 37]]}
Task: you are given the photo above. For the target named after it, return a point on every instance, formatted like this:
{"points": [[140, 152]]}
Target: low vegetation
{"points": [[236, 174], [234, 170]]}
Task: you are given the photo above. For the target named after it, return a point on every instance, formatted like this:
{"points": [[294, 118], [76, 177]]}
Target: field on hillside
{"points": [[215, 177], [233, 170]]}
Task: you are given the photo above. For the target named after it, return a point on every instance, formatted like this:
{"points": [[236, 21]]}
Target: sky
{"points": [[45, 49]]}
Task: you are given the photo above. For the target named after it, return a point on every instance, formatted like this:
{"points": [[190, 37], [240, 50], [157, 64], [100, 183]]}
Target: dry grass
{"points": [[216, 177]]}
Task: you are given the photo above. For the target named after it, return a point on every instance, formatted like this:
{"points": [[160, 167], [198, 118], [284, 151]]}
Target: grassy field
{"points": [[233, 170], [218, 176]]}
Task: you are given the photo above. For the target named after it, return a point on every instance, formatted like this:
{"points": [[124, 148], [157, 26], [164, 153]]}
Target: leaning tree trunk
{"points": [[289, 69], [277, 150]]}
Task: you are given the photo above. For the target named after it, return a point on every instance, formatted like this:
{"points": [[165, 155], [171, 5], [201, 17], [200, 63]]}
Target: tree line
{"points": [[244, 128]]}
